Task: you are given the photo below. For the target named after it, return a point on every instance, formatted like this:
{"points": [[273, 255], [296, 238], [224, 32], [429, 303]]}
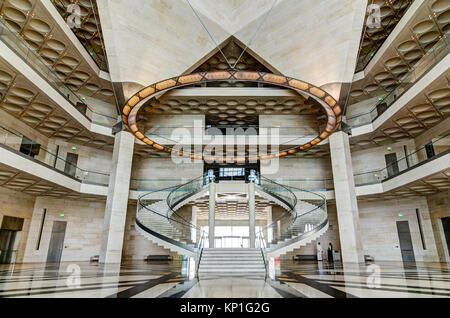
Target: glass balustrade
{"points": [[437, 147], [156, 216], [307, 216], [17, 44], [13, 141], [428, 61]]}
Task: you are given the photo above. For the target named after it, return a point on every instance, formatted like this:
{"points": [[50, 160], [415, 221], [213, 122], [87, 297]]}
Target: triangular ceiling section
{"points": [[233, 50], [149, 41], [233, 15]]}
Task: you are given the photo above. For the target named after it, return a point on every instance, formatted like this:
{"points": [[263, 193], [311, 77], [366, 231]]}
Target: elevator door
{"points": [[71, 164], [9, 229], [7, 240], [391, 164], [446, 227], [406, 246], [56, 242]]}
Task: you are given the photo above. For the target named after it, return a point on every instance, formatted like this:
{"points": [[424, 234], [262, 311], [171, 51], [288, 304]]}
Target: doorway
{"points": [[71, 164], [404, 237], [446, 231], [391, 164], [7, 240], [56, 242], [9, 234], [429, 149]]}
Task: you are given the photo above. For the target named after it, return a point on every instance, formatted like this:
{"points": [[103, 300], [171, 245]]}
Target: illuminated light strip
{"points": [[138, 100]]}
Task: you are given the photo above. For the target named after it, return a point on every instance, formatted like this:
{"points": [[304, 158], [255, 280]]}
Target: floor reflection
{"points": [[286, 279]]}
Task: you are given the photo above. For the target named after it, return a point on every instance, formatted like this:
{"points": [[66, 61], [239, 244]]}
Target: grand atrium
{"points": [[224, 149]]}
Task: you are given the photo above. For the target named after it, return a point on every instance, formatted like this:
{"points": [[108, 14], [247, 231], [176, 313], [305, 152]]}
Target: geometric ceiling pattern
{"points": [[233, 51], [23, 100], [21, 181], [232, 206], [433, 184], [89, 33], [391, 13], [233, 110], [31, 21], [429, 108], [427, 27]]}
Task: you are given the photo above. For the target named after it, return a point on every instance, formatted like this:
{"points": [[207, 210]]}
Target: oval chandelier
{"points": [[138, 100]]}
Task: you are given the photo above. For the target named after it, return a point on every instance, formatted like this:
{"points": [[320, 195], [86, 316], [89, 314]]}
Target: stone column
{"points": [[194, 222], [269, 234], [212, 214], [251, 213], [117, 200], [345, 194]]}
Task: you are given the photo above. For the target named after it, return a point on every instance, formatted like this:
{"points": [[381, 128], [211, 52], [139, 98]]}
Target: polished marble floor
{"points": [[174, 280]]}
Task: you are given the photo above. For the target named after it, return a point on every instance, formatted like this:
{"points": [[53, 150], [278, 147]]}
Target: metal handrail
{"points": [[442, 43], [19, 41], [292, 215]]}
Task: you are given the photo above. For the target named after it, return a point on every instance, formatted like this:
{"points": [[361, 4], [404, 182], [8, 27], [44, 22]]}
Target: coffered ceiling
{"points": [[417, 39], [30, 20], [23, 100], [232, 206], [426, 110], [433, 184], [20, 181]]}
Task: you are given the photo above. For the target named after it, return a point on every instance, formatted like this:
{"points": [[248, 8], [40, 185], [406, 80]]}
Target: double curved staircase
{"points": [[304, 221]]}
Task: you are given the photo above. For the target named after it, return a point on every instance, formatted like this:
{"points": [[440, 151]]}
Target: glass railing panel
{"points": [[308, 184], [155, 184], [278, 190], [185, 190], [13, 40], [157, 216], [13, 141], [308, 215], [438, 146]]}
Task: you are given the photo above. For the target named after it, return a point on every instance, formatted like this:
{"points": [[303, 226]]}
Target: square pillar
{"points": [[212, 214], [117, 200], [251, 213], [346, 202]]}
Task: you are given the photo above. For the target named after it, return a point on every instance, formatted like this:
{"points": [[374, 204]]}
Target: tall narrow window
{"points": [[420, 229], [38, 244]]}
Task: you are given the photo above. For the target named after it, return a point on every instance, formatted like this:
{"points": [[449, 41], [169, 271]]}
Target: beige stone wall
{"points": [[163, 172], [297, 168], [332, 235], [18, 205], [91, 159], [83, 233], [439, 205], [379, 230], [372, 159]]}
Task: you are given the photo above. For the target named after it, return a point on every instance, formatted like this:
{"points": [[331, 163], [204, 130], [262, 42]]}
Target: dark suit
{"points": [[330, 254]]}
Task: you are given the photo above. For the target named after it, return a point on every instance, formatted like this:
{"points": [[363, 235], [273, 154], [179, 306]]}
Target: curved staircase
{"points": [[305, 220]]}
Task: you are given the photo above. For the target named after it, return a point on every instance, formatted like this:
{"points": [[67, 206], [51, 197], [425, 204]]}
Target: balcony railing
{"points": [[426, 63], [15, 42], [430, 151], [12, 141]]}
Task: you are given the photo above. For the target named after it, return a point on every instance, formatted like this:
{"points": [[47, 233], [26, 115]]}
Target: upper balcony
{"points": [[48, 173], [415, 105], [374, 37], [34, 93]]}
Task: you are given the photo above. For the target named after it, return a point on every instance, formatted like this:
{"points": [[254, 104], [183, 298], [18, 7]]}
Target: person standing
{"points": [[330, 253], [319, 252]]}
